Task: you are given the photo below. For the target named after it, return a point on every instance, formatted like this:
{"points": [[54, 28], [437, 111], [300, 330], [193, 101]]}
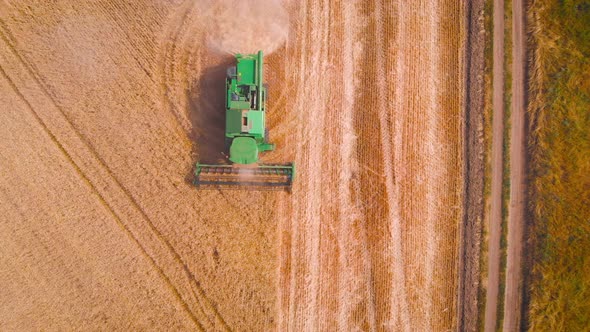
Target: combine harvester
{"points": [[246, 135]]}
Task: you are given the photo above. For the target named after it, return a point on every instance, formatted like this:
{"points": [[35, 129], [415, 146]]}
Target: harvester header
{"points": [[246, 135]]}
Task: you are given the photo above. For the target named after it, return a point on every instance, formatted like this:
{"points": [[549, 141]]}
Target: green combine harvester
{"points": [[246, 135]]}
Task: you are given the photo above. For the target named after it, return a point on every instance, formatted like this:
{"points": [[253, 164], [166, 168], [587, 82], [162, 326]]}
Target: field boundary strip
{"points": [[473, 184], [94, 171]]}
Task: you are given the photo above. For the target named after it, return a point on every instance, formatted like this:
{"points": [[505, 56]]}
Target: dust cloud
{"points": [[245, 26], [245, 175]]}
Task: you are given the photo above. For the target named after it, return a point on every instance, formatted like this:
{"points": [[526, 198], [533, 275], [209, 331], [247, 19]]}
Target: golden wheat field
{"points": [[106, 105]]}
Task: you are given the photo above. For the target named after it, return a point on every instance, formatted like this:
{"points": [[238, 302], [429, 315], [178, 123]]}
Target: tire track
{"points": [[102, 168]]}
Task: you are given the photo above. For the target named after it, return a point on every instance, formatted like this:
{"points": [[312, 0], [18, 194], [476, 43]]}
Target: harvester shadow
{"points": [[207, 115]]}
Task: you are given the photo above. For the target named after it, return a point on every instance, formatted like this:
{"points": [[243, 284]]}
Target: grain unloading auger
{"points": [[246, 135]]}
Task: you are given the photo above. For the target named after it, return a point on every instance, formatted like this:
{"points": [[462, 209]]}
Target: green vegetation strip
{"points": [[487, 183], [559, 113], [505, 159]]}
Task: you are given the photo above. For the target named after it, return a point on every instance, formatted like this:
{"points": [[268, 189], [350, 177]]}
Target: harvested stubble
{"points": [[365, 97]]}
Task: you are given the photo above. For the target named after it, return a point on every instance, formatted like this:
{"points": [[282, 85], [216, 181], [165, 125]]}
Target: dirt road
{"points": [[515, 225], [106, 116], [495, 218], [514, 274]]}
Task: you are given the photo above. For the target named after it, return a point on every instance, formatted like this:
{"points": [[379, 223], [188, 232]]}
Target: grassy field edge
{"points": [[559, 118], [487, 136]]}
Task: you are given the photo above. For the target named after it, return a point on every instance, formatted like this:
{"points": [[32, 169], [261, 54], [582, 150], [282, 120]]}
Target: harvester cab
{"points": [[246, 135]]}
